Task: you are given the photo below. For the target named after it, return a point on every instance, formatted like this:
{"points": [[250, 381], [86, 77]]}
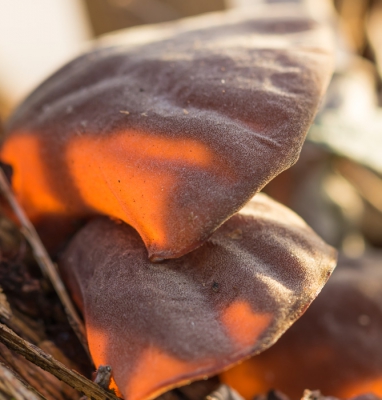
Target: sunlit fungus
{"points": [[172, 134]]}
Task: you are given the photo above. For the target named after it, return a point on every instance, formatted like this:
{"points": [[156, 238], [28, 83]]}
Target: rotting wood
{"points": [[5, 309], [224, 392], [12, 387], [43, 381], [33, 312], [48, 363], [44, 260], [23, 326], [20, 370]]}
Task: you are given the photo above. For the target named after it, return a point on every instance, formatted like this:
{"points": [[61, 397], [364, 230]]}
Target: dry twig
{"points": [[43, 259], [48, 363]]}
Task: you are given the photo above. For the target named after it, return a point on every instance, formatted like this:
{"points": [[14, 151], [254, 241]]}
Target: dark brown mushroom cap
{"points": [[172, 136], [335, 347], [162, 325]]}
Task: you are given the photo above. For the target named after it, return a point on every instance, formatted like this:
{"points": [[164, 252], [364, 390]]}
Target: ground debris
{"points": [[45, 361], [315, 395]]}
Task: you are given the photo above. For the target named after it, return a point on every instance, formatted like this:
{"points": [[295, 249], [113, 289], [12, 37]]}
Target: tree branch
{"points": [[45, 361], [44, 261]]}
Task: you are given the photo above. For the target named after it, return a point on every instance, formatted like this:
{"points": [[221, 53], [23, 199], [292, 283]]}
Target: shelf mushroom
{"points": [[163, 325], [172, 130]]}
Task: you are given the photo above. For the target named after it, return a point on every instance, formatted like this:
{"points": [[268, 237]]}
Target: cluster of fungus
{"points": [[171, 135]]}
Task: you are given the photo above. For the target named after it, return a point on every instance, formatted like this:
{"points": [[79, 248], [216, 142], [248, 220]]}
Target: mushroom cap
{"points": [[173, 134], [163, 325], [335, 346]]}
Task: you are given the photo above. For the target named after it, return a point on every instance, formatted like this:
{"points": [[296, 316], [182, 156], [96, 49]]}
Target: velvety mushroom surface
{"points": [[162, 325], [335, 347], [174, 129]]}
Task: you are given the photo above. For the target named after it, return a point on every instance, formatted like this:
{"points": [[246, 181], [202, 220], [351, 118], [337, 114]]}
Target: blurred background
{"points": [[38, 37], [336, 186]]}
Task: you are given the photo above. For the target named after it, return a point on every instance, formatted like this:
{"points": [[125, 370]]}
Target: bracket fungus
{"points": [[335, 346], [160, 326], [172, 135]]}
